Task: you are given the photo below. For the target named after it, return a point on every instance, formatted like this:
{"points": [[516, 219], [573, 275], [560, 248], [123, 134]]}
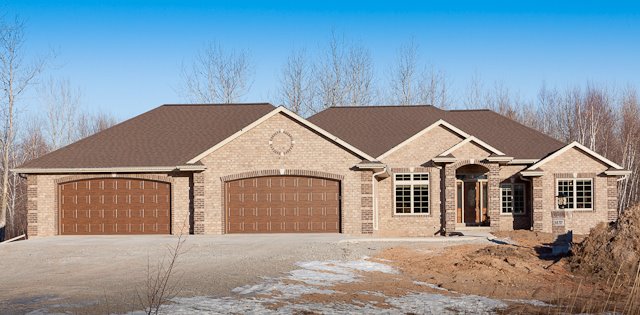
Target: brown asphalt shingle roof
{"points": [[167, 136], [377, 129]]}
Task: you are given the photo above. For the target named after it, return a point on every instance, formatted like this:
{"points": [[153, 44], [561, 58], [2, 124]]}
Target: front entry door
{"points": [[472, 202], [471, 208]]}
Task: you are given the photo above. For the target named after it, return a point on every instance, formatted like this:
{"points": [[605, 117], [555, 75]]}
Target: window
{"points": [[412, 193], [578, 193], [512, 197]]}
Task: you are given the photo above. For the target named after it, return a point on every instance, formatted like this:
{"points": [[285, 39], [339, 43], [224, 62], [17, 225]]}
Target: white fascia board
{"points": [[577, 145], [617, 173], [149, 169], [472, 139], [500, 159], [523, 161], [531, 173], [444, 159], [281, 109], [440, 122]]}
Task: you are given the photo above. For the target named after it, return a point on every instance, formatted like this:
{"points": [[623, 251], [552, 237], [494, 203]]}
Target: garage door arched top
{"points": [[149, 177], [285, 172], [282, 204], [104, 206]]}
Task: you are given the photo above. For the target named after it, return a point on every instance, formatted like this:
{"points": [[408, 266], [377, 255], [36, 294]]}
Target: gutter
{"points": [[148, 169]]}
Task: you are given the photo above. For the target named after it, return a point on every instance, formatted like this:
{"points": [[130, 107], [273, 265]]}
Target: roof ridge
{"points": [[218, 104], [471, 110], [386, 105]]}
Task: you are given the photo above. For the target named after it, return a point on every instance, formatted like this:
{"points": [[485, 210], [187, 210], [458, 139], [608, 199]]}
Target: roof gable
{"points": [[300, 120], [378, 129], [580, 147]]}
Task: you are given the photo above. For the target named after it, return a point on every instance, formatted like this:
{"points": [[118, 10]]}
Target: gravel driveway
{"points": [[65, 270]]}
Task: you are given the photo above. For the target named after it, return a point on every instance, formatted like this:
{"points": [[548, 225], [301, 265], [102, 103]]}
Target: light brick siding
{"points": [[366, 192], [251, 152], [471, 151], [572, 164], [32, 205], [415, 156], [45, 204]]}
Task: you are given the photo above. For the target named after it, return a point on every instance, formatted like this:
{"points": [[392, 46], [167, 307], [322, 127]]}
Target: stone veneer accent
{"points": [[198, 203], [537, 204], [366, 192], [32, 205], [612, 199]]}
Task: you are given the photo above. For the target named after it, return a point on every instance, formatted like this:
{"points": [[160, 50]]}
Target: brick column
{"points": [[366, 204], [612, 199], [450, 198], [32, 205], [198, 203], [494, 196], [538, 224]]}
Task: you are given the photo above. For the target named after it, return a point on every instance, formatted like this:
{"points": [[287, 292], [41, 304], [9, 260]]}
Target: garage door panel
{"points": [[282, 204], [115, 206]]}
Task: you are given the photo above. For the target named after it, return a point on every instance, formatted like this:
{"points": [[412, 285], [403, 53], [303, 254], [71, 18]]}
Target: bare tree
{"points": [[89, 124], [61, 102], [295, 83], [218, 76], [16, 76], [434, 88], [474, 92], [359, 76], [404, 76]]}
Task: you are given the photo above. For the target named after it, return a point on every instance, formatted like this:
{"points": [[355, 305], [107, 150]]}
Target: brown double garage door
{"points": [[282, 204], [114, 206]]}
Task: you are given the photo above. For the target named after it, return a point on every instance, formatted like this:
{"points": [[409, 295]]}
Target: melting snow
{"points": [[314, 277]]}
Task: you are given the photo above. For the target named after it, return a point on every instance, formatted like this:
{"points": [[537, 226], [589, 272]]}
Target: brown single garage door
{"points": [[283, 204], [115, 206]]}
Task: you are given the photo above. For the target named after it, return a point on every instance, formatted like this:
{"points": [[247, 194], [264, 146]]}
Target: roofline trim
{"points": [[144, 169], [277, 110], [523, 161], [571, 145], [440, 122], [477, 141]]}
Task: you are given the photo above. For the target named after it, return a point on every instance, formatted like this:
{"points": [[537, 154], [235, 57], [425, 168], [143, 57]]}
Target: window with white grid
{"points": [[411, 193], [578, 193], [512, 198]]}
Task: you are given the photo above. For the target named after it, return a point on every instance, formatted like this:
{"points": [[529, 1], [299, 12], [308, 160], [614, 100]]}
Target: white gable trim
{"points": [[578, 146], [291, 114], [440, 122], [471, 139]]}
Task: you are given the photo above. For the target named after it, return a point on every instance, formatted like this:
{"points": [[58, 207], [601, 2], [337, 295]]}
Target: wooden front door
{"points": [[471, 202]]}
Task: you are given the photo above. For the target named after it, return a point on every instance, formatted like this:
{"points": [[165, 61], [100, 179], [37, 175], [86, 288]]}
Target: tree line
{"points": [[339, 73]]}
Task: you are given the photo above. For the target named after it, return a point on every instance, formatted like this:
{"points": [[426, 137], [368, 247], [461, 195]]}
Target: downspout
{"points": [[375, 197]]}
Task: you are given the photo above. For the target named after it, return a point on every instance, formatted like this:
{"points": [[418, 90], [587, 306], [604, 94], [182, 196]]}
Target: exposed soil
{"points": [[512, 272], [612, 251]]}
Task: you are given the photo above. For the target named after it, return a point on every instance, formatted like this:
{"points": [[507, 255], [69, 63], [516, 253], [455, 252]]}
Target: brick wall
{"points": [[572, 164], [251, 152]]}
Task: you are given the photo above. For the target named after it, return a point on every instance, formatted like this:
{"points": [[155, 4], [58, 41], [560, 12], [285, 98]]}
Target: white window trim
{"points": [[575, 194], [412, 183], [524, 195]]}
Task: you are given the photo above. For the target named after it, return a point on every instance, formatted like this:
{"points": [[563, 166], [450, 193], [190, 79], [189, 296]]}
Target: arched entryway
{"points": [[472, 195]]}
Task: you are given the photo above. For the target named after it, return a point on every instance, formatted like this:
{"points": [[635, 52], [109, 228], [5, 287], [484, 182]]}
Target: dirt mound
{"points": [[610, 248]]}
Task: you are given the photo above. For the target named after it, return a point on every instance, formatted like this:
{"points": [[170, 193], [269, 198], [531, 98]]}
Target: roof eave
{"points": [[146, 169]]}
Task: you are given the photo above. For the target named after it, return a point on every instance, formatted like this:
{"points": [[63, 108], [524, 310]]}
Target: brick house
{"points": [[378, 170]]}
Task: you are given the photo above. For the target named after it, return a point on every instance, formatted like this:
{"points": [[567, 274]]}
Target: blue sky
{"points": [[126, 56]]}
